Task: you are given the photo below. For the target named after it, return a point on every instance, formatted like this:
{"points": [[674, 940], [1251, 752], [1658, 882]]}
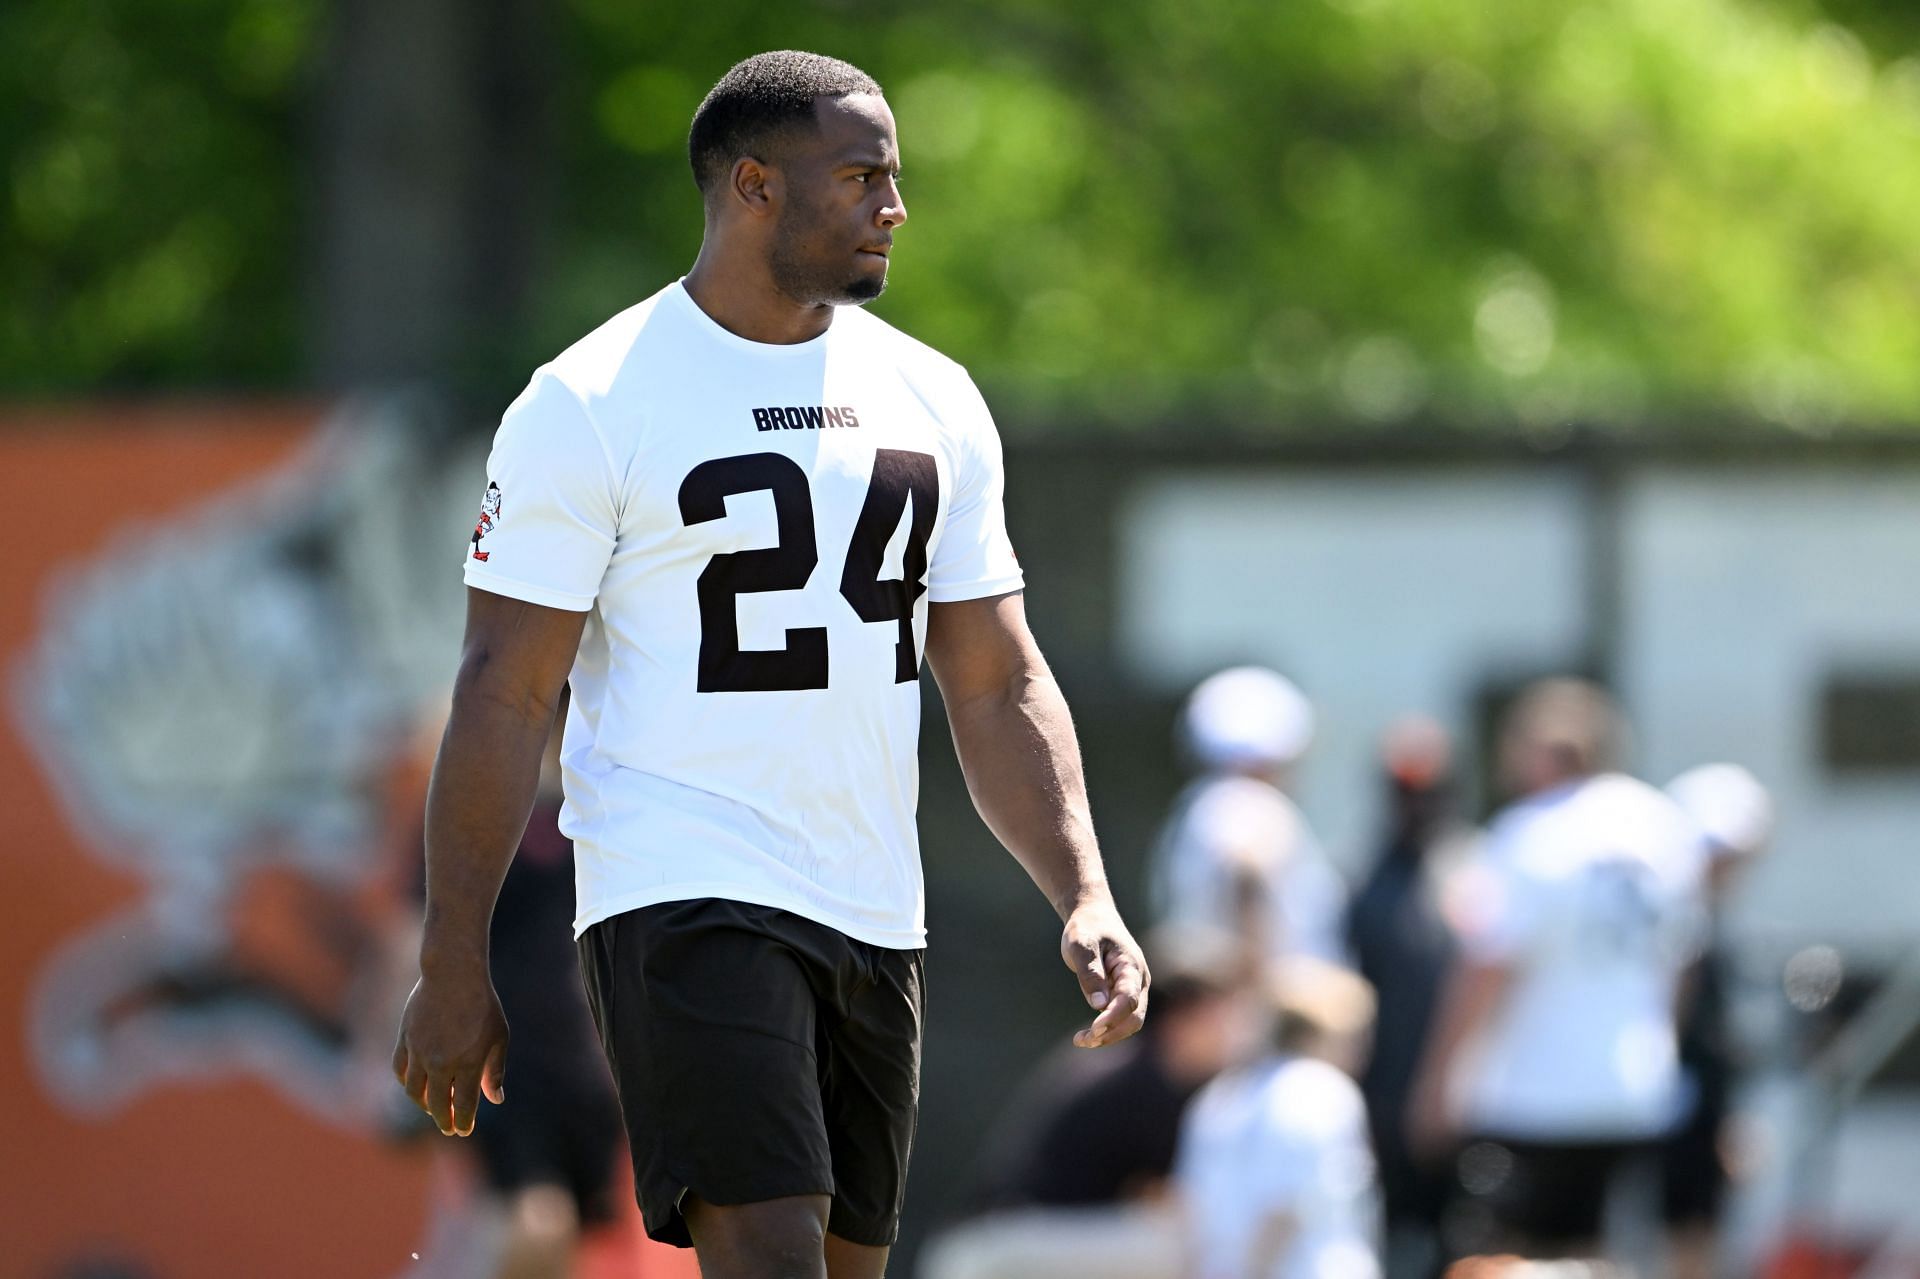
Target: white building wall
{"points": [[1744, 592], [1379, 593], [1386, 591]]}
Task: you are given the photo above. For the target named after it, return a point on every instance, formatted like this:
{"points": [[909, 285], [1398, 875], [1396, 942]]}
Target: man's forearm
{"points": [[484, 781], [1469, 998], [1022, 764]]}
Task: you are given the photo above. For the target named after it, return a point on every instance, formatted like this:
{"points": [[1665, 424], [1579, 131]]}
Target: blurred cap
{"points": [[1320, 996], [1728, 805], [1247, 717]]}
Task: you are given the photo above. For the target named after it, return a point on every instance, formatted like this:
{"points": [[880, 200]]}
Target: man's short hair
{"points": [[761, 98]]}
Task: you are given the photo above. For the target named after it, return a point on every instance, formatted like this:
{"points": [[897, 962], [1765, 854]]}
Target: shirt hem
{"points": [[889, 939], [953, 593], [527, 591]]}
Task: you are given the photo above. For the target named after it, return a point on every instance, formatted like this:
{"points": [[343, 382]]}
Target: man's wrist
{"points": [[442, 956], [1096, 895]]}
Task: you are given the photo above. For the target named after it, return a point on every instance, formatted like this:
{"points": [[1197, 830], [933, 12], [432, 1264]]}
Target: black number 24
{"points": [[899, 476]]}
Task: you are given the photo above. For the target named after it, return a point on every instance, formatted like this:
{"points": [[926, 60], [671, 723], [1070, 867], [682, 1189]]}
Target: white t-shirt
{"points": [[1229, 829], [1590, 895], [1288, 1135], [755, 532]]}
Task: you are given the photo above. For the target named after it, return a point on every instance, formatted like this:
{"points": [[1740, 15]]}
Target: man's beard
{"points": [[805, 281]]}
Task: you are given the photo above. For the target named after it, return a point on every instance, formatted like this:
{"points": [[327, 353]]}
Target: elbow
{"points": [[1012, 695], [484, 682]]}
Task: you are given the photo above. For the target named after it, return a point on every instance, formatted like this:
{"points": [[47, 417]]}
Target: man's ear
{"points": [[756, 187]]}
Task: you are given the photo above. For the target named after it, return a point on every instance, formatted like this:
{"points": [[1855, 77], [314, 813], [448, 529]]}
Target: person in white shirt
{"points": [[1554, 1060], [1237, 854], [1061, 1181], [1275, 1173], [733, 519]]}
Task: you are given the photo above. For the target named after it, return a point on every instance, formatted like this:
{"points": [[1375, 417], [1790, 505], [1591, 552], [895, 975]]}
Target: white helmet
{"points": [[1246, 717], [1729, 806]]}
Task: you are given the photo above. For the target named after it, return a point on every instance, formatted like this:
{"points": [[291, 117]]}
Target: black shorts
{"points": [[562, 1124], [1693, 1180], [1541, 1195], [758, 1055]]}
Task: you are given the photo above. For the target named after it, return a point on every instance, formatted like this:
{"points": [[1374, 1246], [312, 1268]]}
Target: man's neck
{"points": [[737, 293]]}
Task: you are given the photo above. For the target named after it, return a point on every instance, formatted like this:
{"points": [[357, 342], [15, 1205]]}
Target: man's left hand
{"points": [[1113, 974]]}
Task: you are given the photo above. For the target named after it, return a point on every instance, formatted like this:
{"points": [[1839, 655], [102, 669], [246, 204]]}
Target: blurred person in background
{"points": [[1735, 818], [1079, 1162], [1236, 854], [547, 1163], [1403, 946], [1554, 1064], [1275, 1173]]}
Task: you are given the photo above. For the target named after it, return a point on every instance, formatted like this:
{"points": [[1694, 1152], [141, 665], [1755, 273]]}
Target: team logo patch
{"points": [[489, 517]]}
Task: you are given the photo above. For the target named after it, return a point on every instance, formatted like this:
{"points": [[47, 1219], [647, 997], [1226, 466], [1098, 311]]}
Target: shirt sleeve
{"points": [[1501, 910], [1191, 1150], [974, 557], [549, 516]]}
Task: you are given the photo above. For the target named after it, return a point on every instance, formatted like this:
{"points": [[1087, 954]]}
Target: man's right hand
{"points": [[453, 1045]]}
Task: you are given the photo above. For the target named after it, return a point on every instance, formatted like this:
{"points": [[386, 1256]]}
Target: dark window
{"points": [[1870, 723]]}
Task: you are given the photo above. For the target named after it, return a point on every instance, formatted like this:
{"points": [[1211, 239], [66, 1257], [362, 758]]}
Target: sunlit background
{"points": [[1414, 348]]}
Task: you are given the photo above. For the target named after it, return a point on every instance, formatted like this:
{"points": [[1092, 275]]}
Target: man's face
{"points": [[842, 203]]}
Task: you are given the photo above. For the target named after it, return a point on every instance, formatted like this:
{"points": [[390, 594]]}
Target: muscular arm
{"points": [[513, 665], [1021, 760]]}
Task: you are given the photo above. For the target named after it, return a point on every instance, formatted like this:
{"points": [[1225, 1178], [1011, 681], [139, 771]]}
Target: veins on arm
{"points": [[1015, 740], [515, 661]]}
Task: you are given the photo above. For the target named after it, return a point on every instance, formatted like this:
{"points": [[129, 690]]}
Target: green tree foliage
{"points": [[1517, 213], [151, 230]]}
